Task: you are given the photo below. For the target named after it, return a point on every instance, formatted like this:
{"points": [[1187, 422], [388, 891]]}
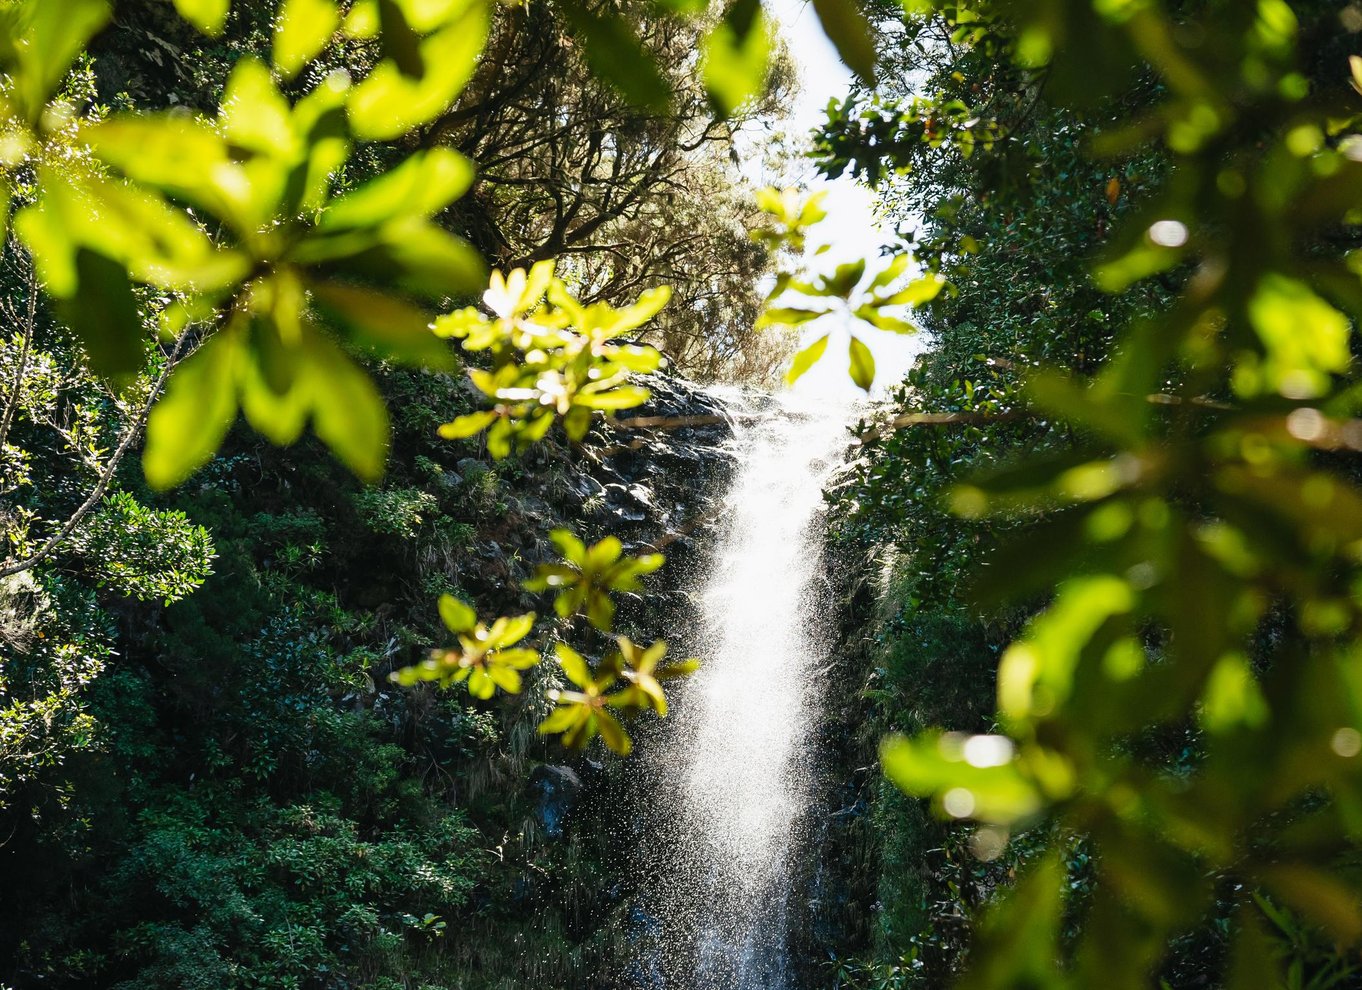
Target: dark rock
{"points": [[584, 486], [625, 503], [557, 790]]}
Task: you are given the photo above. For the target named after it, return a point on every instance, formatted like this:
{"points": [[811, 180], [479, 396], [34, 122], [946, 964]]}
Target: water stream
{"points": [[737, 778]]}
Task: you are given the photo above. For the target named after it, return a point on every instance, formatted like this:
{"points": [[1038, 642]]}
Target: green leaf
{"points": [[472, 424], [481, 685], [457, 616], [603, 553], [615, 53], [632, 317], [600, 611], [348, 412], [303, 29], [183, 156], [613, 734], [390, 327], [806, 359], [1305, 339], [1320, 896], [506, 678], [414, 256], [862, 364], [1233, 698], [574, 665], [883, 321], [255, 115], [572, 549], [1036, 674], [735, 56], [887, 275], [421, 186], [1251, 959], [562, 719], [54, 32], [1017, 941], [186, 427], [389, 103], [917, 292], [511, 630], [851, 34], [939, 766], [844, 279], [788, 316], [209, 16], [619, 397], [399, 42], [104, 312]]}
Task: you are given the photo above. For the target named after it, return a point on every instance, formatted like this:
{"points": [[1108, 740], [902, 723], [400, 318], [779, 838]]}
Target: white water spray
{"points": [[740, 770]]}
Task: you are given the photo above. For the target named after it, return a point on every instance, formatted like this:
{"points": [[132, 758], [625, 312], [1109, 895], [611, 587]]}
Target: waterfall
{"points": [[736, 774]]}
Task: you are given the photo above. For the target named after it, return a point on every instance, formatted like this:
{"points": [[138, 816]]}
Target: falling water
{"points": [[738, 773]]}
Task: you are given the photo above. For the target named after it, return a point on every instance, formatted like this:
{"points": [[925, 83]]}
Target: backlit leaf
{"points": [[457, 616], [615, 53], [390, 327], [187, 424], [209, 16], [862, 364], [850, 33], [348, 413], [303, 29], [806, 359]]}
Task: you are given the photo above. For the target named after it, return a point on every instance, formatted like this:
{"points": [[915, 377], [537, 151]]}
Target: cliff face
{"points": [[261, 799]]}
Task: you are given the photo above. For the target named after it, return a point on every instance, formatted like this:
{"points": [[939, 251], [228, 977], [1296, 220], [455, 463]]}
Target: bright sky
{"points": [[852, 227]]}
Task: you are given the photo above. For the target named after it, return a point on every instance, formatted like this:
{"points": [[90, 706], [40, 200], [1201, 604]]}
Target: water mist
{"points": [[734, 774]]}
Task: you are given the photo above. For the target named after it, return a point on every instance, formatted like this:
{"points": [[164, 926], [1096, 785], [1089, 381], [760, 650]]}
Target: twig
{"points": [[30, 318], [937, 419], [669, 422], [133, 430]]}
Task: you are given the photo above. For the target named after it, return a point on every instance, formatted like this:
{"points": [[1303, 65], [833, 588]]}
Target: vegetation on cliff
{"points": [[385, 294]]}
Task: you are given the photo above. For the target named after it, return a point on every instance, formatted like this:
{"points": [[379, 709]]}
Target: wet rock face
{"points": [[556, 790], [651, 478]]}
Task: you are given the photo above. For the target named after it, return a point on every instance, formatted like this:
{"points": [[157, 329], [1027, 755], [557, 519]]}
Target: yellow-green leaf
{"points": [[421, 186], [187, 425], [806, 359], [862, 364], [209, 16], [472, 424], [348, 412], [457, 616], [303, 29], [850, 33], [390, 327]]}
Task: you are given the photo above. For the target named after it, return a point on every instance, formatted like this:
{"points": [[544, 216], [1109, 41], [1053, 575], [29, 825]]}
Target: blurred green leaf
{"points": [[386, 325], [302, 30], [862, 364], [851, 34], [348, 413], [735, 56], [457, 616], [806, 359], [395, 98], [614, 52], [209, 16], [186, 426]]}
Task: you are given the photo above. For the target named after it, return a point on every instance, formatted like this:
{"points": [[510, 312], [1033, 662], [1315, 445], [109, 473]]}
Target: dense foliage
{"points": [[1120, 488], [225, 788], [1120, 469]]}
